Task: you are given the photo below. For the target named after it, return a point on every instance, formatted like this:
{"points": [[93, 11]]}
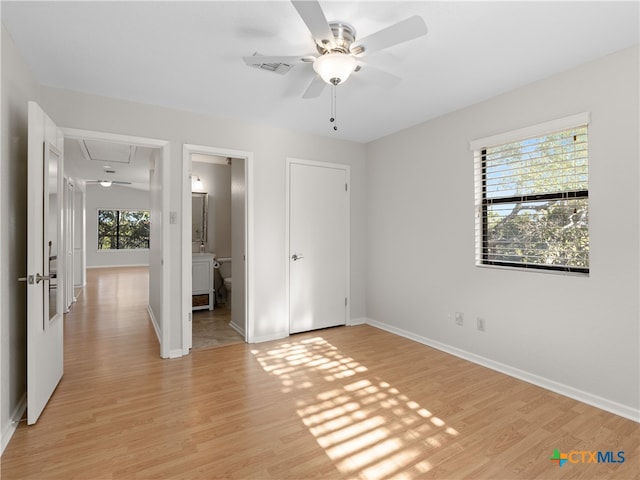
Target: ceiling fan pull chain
{"points": [[333, 108]]}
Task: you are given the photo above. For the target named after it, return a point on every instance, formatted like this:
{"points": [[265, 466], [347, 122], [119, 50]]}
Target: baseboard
{"points": [[176, 353], [10, 429], [357, 321], [269, 338], [118, 266], [237, 329], [154, 322], [548, 384]]}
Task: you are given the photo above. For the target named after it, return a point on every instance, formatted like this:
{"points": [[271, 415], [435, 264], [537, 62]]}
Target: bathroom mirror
{"points": [[199, 203]]}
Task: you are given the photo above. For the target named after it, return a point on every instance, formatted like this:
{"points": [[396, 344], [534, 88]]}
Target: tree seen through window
{"points": [[123, 229]]}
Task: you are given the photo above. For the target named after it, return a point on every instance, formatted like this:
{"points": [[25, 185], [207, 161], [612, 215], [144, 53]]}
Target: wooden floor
{"points": [[350, 402]]}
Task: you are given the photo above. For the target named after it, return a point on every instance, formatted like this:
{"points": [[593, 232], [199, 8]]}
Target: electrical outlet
{"points": [[482, 324], [459, 319]]}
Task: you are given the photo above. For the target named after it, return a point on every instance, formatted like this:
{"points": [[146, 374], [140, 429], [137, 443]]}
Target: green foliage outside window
{"points": [[123, 229]]}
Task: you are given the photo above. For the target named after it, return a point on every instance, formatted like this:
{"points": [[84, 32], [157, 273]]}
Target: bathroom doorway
{"points": [[216, 197]]}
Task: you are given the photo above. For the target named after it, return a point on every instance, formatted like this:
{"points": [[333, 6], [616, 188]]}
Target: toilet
{"points": [[225, 271], [227, 286]]}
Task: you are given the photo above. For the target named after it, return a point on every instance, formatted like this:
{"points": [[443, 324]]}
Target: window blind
{"points": [[532, 202]]}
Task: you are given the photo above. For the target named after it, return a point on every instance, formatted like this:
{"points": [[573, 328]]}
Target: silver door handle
{"points": [[295, 257], [37, 278]]}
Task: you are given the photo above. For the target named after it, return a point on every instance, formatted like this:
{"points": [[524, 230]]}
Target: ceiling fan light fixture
{"points": [[106, 183], [334, 68]]}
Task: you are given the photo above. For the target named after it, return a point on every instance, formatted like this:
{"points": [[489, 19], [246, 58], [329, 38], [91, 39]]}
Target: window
{"points": [[532, 197], [123, 229]]}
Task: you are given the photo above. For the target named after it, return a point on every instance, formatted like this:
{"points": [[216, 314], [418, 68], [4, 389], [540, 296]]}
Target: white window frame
{"points": [[479, 145]]}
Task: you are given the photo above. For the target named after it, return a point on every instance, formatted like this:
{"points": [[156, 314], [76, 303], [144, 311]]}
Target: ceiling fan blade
{"points": [[412, 27], [379, 77], [263, 59], [316, 22], [315, 88]]}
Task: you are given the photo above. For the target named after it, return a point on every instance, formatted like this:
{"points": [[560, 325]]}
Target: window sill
{"points": [[120, 250], [534, 270]]}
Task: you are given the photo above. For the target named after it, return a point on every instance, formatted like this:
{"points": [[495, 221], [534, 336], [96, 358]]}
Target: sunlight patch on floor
{"points": [[366, 426]]}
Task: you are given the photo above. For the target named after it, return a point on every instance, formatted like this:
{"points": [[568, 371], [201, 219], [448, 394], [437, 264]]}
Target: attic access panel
{"points": [[107, 152]]}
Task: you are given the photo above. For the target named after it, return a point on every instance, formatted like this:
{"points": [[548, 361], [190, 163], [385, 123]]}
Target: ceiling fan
{"points": [[108, 183], [340, 52]]}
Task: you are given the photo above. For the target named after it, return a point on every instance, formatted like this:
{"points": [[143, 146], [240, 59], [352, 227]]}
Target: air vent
{"points": [[280, 68]]}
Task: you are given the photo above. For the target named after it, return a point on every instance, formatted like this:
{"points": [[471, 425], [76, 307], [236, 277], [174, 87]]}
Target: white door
{"points": [[318, 245], [68, 244], [238, 244], [45, 254]]}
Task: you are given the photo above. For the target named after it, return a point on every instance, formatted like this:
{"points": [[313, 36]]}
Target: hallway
{"points": [[119, 408]]}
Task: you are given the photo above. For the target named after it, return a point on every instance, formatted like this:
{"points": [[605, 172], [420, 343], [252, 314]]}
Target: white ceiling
{"points": [[187, 55], [103, 160]]}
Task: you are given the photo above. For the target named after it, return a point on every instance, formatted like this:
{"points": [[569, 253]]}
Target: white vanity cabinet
{"points": [[202, 281]]}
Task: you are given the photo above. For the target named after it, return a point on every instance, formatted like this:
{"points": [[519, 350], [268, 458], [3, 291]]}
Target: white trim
{"points": [[271, 337], [237, 329], [187, 289], [167, 264], [175, 353], [531, 131], [77, 133], [154, 322], [14, 421], [118, 266], [338, 166], [548, 384], [357, 321], [186, 244]]}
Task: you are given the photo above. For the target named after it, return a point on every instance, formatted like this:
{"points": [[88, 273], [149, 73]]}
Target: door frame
{"points": [[164, 336], [187, 151], [287, 262]]}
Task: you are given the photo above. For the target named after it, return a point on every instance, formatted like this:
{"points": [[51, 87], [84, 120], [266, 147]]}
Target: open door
{"points": [[45, 253]]}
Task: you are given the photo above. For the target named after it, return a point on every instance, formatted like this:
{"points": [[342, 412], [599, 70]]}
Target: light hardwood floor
{"points": [[350, 402]]}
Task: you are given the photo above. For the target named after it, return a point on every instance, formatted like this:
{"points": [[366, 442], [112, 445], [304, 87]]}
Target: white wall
{"points": [[18, 87], [79, 237], [114, 197], [581, 332], [270, 146], [155, 250]]}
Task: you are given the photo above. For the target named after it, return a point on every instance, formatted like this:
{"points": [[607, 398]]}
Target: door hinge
{"points": [[345, 301], [346, 187]]}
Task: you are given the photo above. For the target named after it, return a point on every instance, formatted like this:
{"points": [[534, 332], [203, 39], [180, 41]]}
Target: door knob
{"points": [[37, 278], [295, 257]]}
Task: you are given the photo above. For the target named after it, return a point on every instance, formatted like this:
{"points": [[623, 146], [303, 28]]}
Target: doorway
{"points": [[217, 180], [154, 178]]}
